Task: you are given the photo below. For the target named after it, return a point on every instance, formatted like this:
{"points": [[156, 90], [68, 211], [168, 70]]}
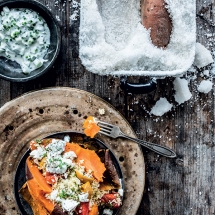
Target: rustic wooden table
{"points": [[174, 188]]}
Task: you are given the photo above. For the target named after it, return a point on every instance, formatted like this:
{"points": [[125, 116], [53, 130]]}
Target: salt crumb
{"points": [[162, 106], [75, 14], [58, 18], [206, 73], [205, 86], [102, 111], [182, 92], [203, 56]]}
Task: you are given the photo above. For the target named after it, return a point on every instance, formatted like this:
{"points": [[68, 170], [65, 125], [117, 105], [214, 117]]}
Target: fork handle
{"points": [[161, 150]]}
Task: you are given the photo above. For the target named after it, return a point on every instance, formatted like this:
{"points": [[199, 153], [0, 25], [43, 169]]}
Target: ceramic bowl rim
{"points": [[41, 6]]}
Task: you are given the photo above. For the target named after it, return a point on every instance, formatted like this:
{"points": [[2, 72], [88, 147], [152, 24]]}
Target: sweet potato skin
{"points": [[155, 16], [28, 173], [111, 168], [58, 211]]}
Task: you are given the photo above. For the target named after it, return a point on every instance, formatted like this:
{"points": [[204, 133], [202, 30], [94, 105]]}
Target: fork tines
{"points": [[105, 128], [104, 125]]}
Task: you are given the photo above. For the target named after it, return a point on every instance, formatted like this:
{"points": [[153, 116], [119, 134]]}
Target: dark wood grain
{"points": [[172, 187]]}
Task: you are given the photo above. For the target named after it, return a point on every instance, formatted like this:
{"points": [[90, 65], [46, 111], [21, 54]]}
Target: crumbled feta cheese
{"points": [[53, 195], [83, 197], [70, 155], [66, 138], [121, 192], [68, 162], [57, 146], [69, 205], [107, 212], [81, 161], [38, 153], [55, 164]]}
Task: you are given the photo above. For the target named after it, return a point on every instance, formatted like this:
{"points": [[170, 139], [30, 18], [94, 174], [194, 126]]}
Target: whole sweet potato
{"points": [[155, 16]]}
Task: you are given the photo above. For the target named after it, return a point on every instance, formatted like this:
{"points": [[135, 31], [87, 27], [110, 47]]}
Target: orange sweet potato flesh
{"points": [[39, 205], [33, 172], [38, 195], [155, 16], [37, 208], [91, 160], [90, 127], [94, 210]]}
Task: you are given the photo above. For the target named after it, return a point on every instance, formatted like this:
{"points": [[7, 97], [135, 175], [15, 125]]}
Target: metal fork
{"points": [[114, 132]]}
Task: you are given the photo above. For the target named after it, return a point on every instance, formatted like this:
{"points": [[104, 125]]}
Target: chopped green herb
{"points": [[37, 141], [63, 194]]}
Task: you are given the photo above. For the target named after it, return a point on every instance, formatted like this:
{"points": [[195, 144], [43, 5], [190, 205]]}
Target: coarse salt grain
{"points": [[205, 86], [162, 106], [203, 56], [182, 92]]}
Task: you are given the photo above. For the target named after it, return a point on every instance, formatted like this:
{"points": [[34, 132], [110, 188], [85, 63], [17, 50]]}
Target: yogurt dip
{"points": [[24, 37]]}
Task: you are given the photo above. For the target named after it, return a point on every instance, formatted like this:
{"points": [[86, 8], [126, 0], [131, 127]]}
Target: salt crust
{"points": [[202, 57], [113, 41], [162, 106], [205, 86], [182, 92]]}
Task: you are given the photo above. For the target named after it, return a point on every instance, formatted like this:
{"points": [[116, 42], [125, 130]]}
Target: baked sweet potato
{"points": [[38, 195], [75, 187], [90, 127], [36, 206], [91, 160], [155, 17], [33, 172], [34, 192]]}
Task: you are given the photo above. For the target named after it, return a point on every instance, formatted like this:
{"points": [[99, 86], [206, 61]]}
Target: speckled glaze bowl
{"points": [[10, 70]]}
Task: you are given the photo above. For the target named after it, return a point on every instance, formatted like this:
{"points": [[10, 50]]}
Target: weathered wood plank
{"points": [[4, 92]]}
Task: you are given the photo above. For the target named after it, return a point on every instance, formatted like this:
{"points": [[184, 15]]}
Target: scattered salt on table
{"points": [[206, 72], [182, 92], [205, 86], [76, 10], [203, 56], [162, 106]]}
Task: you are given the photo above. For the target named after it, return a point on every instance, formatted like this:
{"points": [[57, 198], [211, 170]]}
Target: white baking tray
{"points": [[113, 41]]}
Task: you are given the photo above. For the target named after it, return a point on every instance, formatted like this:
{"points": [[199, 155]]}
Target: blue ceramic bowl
{"points": [[10, 70]]}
